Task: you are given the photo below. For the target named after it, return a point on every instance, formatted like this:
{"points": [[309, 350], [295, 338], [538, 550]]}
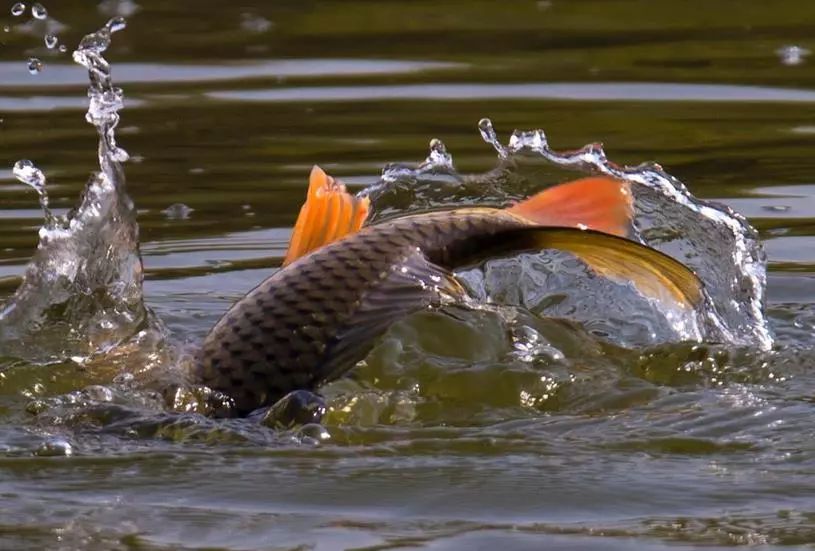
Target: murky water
{"points": [[464, 431]]}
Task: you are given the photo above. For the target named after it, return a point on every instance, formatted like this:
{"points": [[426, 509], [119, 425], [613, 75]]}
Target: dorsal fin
{"points": [[597, 203], [328, 214]]}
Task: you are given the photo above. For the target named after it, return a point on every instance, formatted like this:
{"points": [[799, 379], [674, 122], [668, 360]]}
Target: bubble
{"points": [[51, 41], [313, 434], [39, 11], [177, 211], [55, 447], [99, 393], [18, 9], [34, 65]]}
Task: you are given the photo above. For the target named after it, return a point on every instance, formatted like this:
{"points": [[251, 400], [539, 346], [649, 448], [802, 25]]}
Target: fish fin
{"points": [[412, 285], [597, 203], [653, 273], [329, 214]]}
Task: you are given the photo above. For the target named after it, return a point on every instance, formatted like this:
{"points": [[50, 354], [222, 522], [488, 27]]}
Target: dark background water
{"points": [[442, 442]]}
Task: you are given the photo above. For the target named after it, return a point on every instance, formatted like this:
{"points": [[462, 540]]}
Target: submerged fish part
{"points": [[313, 320], [82, 291]]}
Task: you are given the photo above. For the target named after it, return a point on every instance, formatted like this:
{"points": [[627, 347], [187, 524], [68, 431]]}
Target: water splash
{"points": [[712, 239], [82, 291]]}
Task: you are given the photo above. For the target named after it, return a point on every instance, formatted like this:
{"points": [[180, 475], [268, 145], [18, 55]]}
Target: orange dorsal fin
{"points": [[597, 203], [328, 214]]}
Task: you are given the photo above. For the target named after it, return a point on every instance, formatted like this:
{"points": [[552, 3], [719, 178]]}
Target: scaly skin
{"points": [[292, 331]]}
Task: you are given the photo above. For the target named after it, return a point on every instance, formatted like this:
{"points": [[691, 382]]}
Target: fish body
{"points": [[317, 316]]}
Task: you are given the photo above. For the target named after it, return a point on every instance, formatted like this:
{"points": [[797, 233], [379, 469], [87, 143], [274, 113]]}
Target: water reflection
{"points": [[129, 73], [574, 91]]}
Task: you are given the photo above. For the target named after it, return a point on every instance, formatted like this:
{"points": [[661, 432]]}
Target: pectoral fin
{"points": [[413, 284], [596, 203]]}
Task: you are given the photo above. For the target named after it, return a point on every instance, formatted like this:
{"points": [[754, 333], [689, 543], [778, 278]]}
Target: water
{"points": [[484, 428]]}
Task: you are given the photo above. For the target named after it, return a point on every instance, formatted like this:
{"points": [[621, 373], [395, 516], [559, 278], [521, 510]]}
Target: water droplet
{"points": [[439, 158], [34, 65], [25, 172], [6, 28], [63, 48], [116, 24], [792, 55], [255, 23], [488, 134], [39, 11], [18, 9], [51, 41]]}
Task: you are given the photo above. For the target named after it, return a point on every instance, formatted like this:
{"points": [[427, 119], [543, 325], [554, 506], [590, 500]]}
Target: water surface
{"points": [[444, 439]]}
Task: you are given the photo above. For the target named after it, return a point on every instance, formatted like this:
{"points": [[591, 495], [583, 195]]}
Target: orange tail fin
{"points": [[598, 203], [328, 214]]}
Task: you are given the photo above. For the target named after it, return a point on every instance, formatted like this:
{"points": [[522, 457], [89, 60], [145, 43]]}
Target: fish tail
{"points": [[598, 203], [653, 273], [329, 213]]}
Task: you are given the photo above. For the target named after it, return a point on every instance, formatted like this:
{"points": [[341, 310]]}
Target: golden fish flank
{"points": [[343, 285]]}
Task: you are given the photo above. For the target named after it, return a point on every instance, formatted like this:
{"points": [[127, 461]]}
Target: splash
{"points": [[712, 239], [82, 291]]}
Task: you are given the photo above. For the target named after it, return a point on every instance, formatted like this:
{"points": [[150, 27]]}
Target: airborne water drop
{"points": [[116, 24], [34, 65], [18, 9], [50, 41], [39, 11]]}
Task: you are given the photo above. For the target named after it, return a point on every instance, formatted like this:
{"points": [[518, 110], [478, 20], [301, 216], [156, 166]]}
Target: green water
{"points": [[443, 440]]}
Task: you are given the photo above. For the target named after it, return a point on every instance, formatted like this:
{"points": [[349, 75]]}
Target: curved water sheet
{"points": [[82, 291], [710, 238]]}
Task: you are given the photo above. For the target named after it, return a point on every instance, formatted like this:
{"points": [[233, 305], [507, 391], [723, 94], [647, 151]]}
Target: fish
{"points": [[343, 283]]}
